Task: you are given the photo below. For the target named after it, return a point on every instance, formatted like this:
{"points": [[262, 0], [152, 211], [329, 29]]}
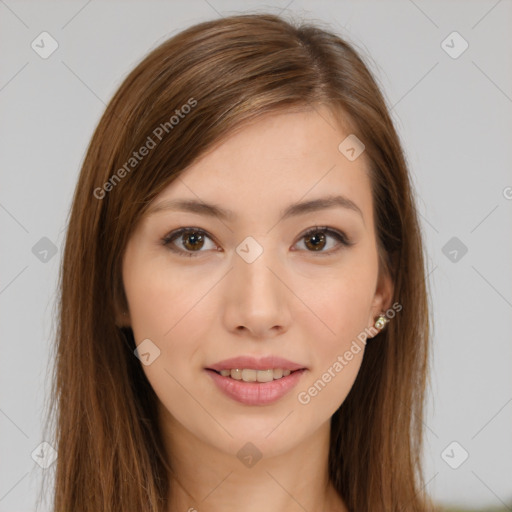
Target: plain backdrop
{"points": [[453, 109]]}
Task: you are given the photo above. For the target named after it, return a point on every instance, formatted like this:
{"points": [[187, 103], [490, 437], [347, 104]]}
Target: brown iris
{"points": [[196, 240], [317, 241]]}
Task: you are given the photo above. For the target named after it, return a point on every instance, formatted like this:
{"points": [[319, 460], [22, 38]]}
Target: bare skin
{"points": [[292, 301]]}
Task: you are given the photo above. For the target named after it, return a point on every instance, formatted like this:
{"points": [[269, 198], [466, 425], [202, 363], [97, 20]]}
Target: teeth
{"points": [[249, 375], [278, 373]]}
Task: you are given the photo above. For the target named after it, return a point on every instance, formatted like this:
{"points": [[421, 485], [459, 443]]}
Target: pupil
{"points": [[194, 237], [318, 240]]}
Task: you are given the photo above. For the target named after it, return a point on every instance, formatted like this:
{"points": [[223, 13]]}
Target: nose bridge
{"points": [[255, 268], [256, 297]]}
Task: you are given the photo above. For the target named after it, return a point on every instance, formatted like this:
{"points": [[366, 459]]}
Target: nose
{"points": [[256, 298]]}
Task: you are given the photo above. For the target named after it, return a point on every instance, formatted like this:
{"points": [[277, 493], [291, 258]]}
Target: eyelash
{"points": [[338, 235]]}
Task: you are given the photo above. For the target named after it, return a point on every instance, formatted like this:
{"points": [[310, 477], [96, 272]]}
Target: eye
{"points": [[316, 239], [192, 240]]}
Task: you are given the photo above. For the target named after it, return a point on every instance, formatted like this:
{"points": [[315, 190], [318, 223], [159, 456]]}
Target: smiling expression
{"points": [[278, 258]]}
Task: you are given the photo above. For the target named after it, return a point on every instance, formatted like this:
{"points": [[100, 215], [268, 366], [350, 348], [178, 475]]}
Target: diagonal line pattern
{"points": [[286, 491], [14, 76], [13, 423], [2, 1], [495, 289], [84, 83], [491, 419], [75, 15], [428, 222], [428, 275], [415, 85], [12, 280], [218, 485], [13, 217], [504, 504], [206, 1], [286, 417], [485, 14], [484, 218], [424, 424], [492, 81], [180, 483], [313, 107], [424, 14], [14, 486], [285, 7], [423, 488]]}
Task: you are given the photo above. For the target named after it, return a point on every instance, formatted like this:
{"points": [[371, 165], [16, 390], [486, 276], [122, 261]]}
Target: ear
{"points": [[382, 298]]}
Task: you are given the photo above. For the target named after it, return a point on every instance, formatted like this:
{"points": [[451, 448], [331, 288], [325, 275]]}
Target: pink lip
{"points": [[256, 393], [260, 363]]}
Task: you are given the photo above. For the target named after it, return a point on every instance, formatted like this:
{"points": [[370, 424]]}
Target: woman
{"points": [[243, 313]]}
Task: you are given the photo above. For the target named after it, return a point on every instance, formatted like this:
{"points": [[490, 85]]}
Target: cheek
{"points": [[323, 393], [161, 300], [172, 310], [338, 305], [167, 309], [337, 352], [149, 298], [341, 302]]}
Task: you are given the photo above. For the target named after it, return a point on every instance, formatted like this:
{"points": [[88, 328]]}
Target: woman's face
{"points": [[248, 281]]}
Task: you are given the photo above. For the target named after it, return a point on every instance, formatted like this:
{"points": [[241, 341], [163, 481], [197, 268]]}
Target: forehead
{"points": [[273, 161]]}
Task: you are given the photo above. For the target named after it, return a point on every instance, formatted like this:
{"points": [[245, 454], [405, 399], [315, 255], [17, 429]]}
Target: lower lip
{"points": [[256, 393]]}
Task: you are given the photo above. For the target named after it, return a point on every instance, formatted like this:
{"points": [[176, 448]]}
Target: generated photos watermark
{"points": [[304, 397], [151, 143]]}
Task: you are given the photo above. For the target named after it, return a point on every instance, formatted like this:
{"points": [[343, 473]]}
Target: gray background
{"points": [[454, 118]]}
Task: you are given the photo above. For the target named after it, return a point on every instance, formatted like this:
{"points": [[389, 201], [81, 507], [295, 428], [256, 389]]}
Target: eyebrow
{"points": [[293, 210]]}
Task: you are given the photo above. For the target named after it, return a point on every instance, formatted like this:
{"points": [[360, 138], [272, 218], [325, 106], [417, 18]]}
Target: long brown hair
{"points": [[228, 71]]}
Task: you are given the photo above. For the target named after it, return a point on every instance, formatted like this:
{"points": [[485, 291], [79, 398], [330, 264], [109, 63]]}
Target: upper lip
{"points": [[256, 363]]}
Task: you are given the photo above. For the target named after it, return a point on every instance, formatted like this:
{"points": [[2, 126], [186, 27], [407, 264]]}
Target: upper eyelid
{"points": [[176, 233]]}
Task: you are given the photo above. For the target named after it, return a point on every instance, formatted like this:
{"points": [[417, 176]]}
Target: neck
{"points": [[204, 477]]}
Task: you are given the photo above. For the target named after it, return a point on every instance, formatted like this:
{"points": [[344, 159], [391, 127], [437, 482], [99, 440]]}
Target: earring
{"points": [[381, 322]]}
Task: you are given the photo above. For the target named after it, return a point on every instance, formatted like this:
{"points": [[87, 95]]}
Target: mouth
{"points": [[253, 375], [256, 380], [255, 387]]}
